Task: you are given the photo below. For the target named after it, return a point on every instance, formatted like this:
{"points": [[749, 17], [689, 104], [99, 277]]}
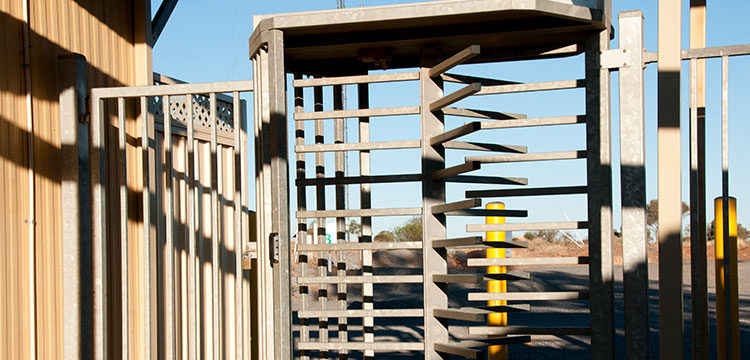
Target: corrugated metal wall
{"points": [[103, 31], [14, 285]]}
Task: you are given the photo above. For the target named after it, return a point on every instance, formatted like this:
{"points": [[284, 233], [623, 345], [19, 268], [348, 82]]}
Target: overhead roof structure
{"points": [[357, 39]]}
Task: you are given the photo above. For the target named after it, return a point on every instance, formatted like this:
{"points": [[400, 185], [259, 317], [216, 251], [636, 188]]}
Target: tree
{"points": [[652, 217], [355, 228], [742, 232], [385, 236], [411, 231]]}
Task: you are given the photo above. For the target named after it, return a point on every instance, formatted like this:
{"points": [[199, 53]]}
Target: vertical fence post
{"points": [[698, 259], [670, 201], [633, 175], [76, 202], [599, 177], [496, 352], [433, 193], [280, 192]]}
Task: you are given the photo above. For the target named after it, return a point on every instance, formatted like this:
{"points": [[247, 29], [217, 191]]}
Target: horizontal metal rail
{"points": [[456, 96], [357, 79], [540, 86], [562, 225], [563, 190], [499, 180], [399, 245], [458, 205], [375, 346], [461, 145], [386, 313], [482, 114], [468, 79], [528, 330], [455, 60], [408, 144], [529, 122], [530, 296], [703, 53], [345, 180], [378, 279], [455, 170], [477, 241], [168, 90], [477, 314], [321, 115], [462, 130], [545, 156], [488, 212], [458, 350], [358, 213], [468, 349], [479, 278], [535, 261]]}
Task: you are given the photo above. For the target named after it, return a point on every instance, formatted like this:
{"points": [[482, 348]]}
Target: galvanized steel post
{"points": [[76, 205], [633, 175]]}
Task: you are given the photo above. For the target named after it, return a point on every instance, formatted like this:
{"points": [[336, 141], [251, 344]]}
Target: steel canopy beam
{"points": [[161, 18]]}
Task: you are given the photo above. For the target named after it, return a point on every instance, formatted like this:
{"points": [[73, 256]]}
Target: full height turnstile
{"points": [[338, 56]]}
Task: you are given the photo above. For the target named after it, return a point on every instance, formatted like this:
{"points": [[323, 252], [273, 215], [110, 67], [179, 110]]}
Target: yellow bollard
{"points": [[496, 352], [721, 267]]}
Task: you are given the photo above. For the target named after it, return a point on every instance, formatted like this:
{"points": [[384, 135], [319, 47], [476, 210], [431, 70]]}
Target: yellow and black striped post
{"points": [[496, 352]]}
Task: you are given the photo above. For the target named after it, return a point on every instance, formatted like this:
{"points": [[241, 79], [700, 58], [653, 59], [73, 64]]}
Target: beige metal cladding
{"points": [[31, 311]]}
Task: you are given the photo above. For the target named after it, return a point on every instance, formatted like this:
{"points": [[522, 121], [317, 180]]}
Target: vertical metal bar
{"points": [[299, 126], [191, 229], [633, 180], [670, 202], [214, 228], [238, 239], [698, 258], [146, 244], [280, 192], [123, 181], [99, 228], [729, 252], [218, 274], [76, 200], [169, 331], [599, 177], [246, 236], [338, 104], [365, 197], [320, 196], [263, 199], [433, 193]]}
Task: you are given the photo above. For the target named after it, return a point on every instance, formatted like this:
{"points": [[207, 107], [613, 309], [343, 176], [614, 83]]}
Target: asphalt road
{"points": [[561, 313]]}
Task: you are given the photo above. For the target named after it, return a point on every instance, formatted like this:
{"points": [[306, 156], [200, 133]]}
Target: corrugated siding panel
{"points": [[14, 191], [101, 30]]}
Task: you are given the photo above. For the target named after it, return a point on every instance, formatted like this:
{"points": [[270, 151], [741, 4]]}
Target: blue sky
{"points": [[215, 35]]}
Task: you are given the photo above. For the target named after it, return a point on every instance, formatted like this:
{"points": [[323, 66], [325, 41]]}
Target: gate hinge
{"points": [[274, 247], [614, 59]]}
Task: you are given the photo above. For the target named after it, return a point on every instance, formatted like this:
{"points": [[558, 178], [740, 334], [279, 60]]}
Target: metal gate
{"points": [[171, 223]]}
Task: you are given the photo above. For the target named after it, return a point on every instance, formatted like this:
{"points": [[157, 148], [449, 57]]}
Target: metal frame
{"points": [[269, 37]]}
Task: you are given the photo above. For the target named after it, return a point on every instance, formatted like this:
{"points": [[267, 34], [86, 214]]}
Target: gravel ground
{"points": [[567, 313]]}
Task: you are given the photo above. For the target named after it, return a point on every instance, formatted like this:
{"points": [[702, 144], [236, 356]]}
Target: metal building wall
{"points": [[103, 31]]}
